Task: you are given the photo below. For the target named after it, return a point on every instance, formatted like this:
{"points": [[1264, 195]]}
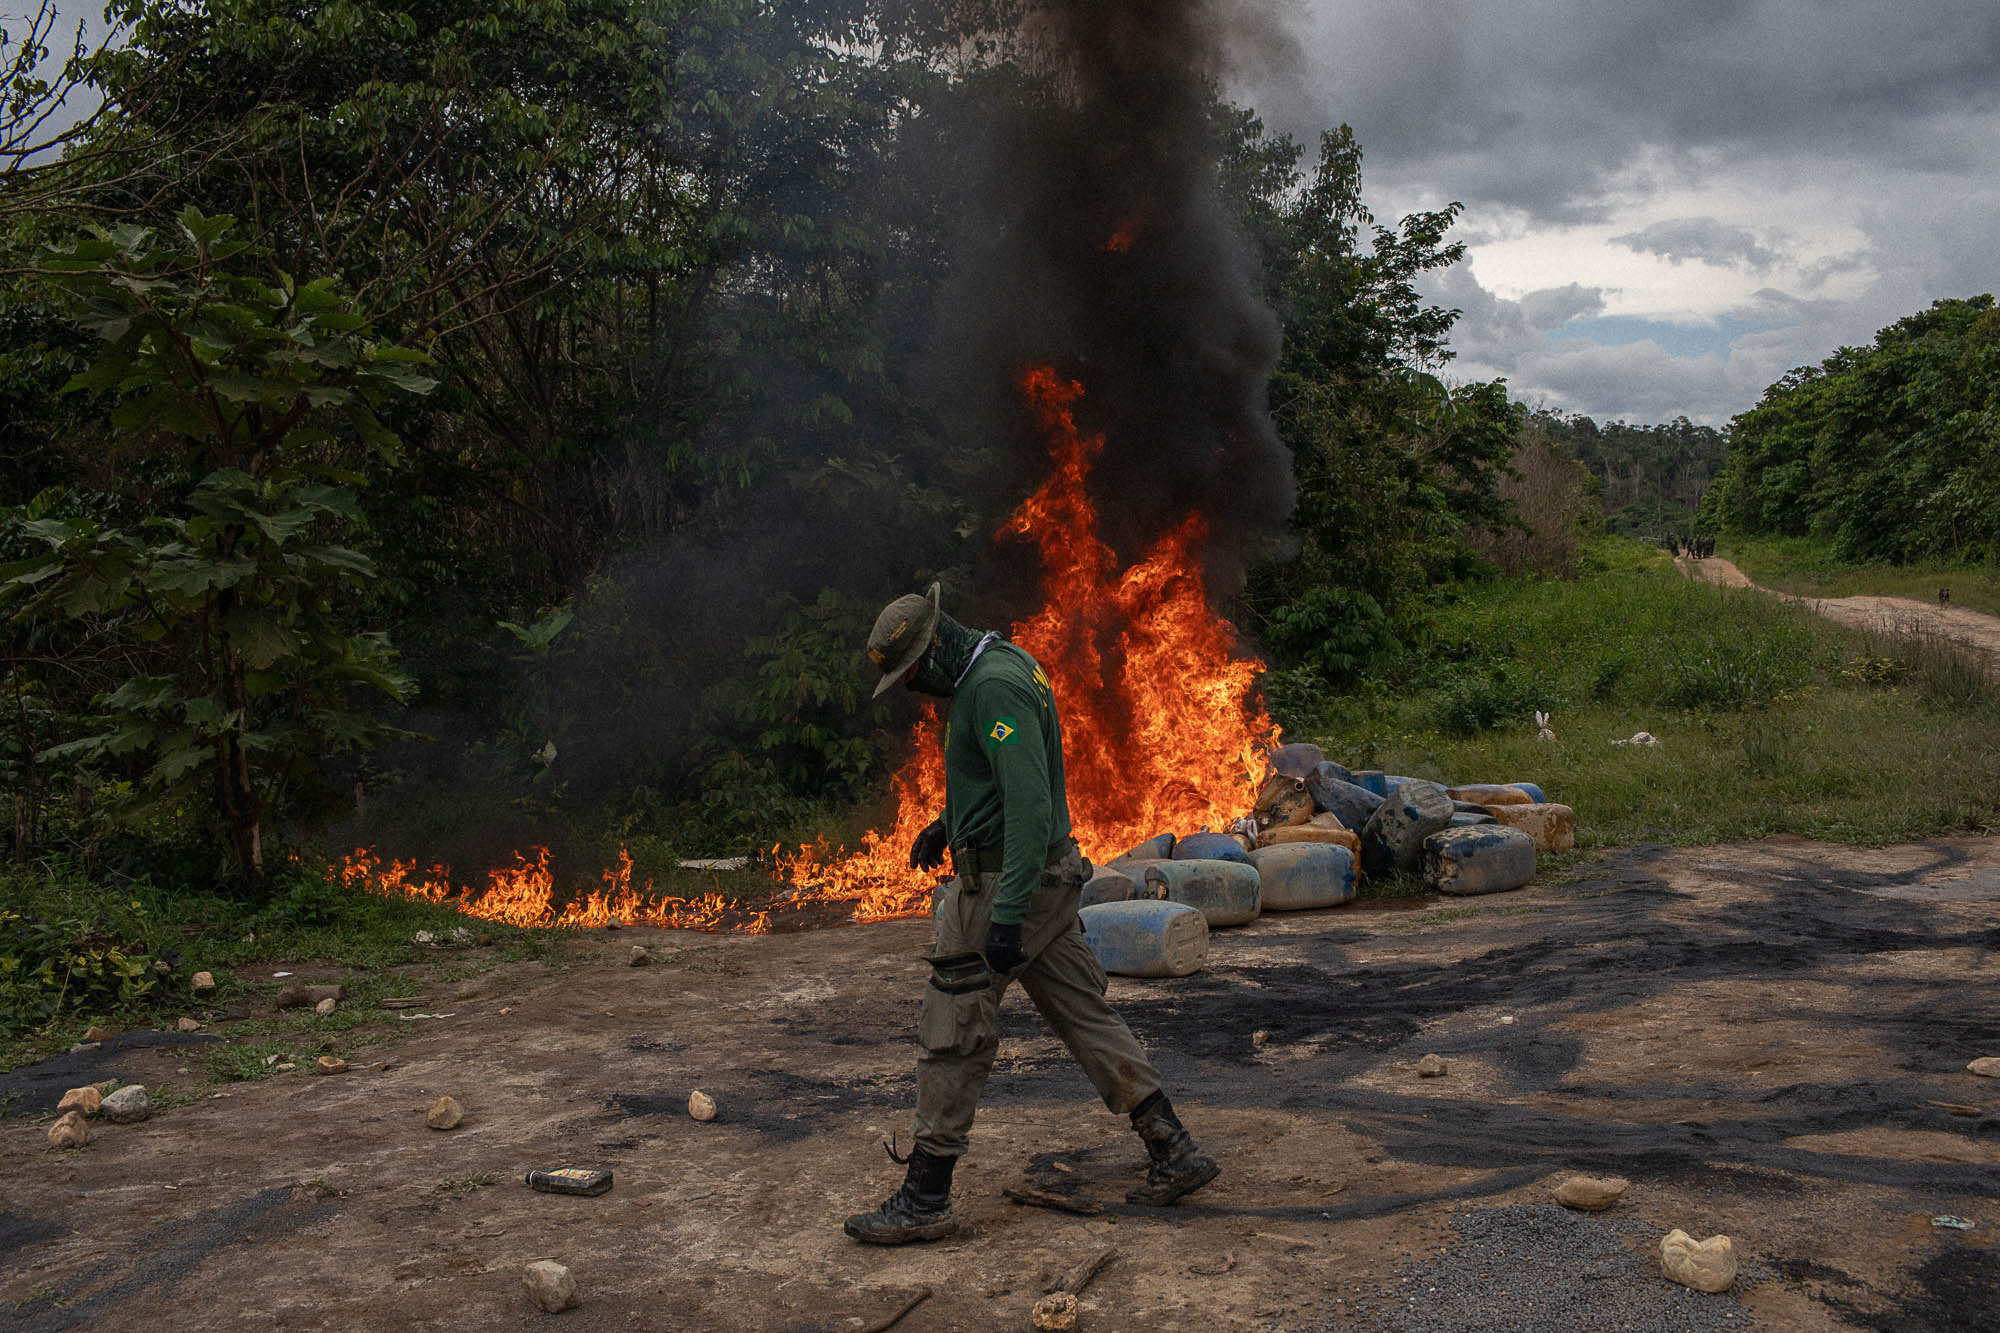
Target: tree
{"points": [[1889, 452], [1393, 466], [254, 402]]}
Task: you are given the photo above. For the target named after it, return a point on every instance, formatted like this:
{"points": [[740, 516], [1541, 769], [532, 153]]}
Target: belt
{"points": [[992, 860]]}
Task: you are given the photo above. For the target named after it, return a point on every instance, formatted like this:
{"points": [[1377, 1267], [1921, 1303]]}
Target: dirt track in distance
{"points": [[1881, 615], [1768, 1040]]}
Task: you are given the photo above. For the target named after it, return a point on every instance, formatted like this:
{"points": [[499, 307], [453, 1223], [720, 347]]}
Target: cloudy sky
{"points": [[1667, 205]]}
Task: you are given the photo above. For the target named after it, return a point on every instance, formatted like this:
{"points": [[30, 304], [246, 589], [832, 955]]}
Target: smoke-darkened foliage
{"points": [[724, 304]]}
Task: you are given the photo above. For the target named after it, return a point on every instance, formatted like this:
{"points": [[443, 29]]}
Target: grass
{"points": [[249, 1061], [307, 925], [1802, 566], [465, 1182], [1770, 719]]}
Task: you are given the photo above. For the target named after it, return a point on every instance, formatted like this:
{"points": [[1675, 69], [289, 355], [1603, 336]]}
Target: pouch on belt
{"points": [[960, 973]]}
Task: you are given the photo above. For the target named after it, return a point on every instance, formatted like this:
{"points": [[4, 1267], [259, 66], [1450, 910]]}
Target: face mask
{"points": [[951, 651]]}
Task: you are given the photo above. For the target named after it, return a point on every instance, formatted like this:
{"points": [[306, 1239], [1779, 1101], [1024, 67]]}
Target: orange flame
{"points": [[524, 894], [1160, 733], [1127, 233]]}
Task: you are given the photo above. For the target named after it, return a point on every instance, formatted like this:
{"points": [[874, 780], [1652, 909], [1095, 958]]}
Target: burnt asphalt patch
{"points": [[1614, 946], [775, 1102], [33, 1089], [157, 1263], [1539, 1268]]}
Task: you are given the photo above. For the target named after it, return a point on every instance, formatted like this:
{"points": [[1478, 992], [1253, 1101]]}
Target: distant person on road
{"points": [[1010, 914]]}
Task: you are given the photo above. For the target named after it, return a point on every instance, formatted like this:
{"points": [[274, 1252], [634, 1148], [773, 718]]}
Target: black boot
{"points": [[1178, 1166], [921, 1210]]}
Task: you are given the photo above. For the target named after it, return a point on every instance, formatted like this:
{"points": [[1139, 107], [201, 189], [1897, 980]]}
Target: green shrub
{"points": [[1947, 674], [50, 966], [1731, 677], [1479, 700]]}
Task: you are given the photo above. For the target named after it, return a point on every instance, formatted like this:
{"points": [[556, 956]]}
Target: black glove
{"points": [[927, 852], [1003, 947]]}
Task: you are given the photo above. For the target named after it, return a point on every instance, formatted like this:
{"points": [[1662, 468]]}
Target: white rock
{"points": [[1707, 1265], [549, 1285], [326, 1006], [700, 1105], [127, 1106], [1986, 1066]]}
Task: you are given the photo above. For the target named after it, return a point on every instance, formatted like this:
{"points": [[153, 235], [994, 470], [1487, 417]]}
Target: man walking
{"points": [[1010, 915]]}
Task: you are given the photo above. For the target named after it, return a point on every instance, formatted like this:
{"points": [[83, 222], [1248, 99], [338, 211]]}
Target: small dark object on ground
{"points": [[1042, 1199], [570, 1180]]}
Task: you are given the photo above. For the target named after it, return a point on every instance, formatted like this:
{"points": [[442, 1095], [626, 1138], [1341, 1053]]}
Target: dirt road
{"points": [[1882, 615], [1768, 1040]]}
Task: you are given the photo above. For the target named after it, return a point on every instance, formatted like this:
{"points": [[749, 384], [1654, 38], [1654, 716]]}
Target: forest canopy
{"points": [[1889, 452]]}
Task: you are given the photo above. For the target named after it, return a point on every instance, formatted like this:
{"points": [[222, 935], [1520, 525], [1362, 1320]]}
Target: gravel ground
{"points": [[1540, 1268]]}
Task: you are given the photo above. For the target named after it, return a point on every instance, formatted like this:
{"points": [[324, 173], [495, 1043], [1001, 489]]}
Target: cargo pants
{"points": [[959, 1034]]}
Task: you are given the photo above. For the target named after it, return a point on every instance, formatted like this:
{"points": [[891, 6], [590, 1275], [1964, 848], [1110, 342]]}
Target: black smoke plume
{"points": [[1065, 201], [1098, 242]]}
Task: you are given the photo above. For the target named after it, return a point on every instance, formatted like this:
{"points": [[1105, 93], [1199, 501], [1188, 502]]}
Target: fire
{"points": [[524, 894], [1160, 733], [1127, 233]]}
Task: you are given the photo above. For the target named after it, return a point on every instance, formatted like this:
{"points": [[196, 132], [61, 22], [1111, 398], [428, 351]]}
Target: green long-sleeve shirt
{"points": [[1003, 772]]}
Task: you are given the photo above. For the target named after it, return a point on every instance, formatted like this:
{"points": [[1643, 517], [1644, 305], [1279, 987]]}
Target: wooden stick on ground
{"points": [[1042, 1199], [881, 1325], [1079, 1277]]}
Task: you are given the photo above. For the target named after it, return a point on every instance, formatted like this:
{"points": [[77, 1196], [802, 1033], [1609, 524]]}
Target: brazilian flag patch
{"points": [[1003, 730]]}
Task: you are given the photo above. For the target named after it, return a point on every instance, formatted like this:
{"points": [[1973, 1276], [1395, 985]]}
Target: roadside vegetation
{"points": [[1769, 719], [1809, 568], [79, 950]]}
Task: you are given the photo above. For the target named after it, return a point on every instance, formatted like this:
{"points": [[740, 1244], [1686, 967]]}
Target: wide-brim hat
{"points": [[902, 634]]}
